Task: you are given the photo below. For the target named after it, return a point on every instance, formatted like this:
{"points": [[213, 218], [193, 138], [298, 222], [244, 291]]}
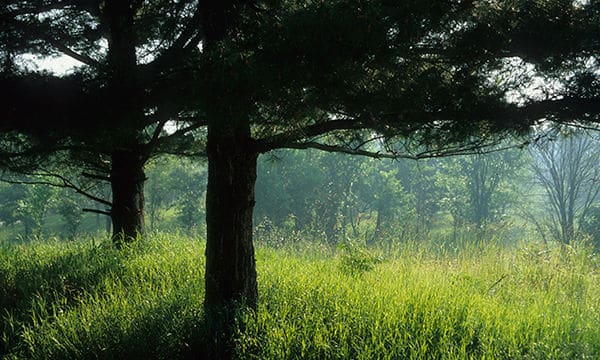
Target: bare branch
{"points": [[64, 183]]}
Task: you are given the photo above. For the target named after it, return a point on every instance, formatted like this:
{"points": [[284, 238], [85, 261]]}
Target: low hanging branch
{"points": [[64, 183], [96, 211], [476, 147], [343, 149]]}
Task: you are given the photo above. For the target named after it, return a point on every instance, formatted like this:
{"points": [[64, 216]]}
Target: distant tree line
{"points": [[551, 187]]}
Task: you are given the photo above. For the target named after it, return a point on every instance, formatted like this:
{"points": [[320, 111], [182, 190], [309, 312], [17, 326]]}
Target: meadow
{"points": [[86, 300]]}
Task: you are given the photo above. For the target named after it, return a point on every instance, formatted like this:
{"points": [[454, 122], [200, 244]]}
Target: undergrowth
{"points": [[85, 300]]}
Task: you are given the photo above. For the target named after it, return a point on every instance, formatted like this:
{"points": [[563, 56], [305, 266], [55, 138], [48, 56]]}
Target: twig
{"points": [[496, 283]]}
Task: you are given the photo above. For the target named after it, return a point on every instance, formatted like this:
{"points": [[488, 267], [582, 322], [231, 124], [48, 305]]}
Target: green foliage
{"points": [[85, 300], [28, 211], [31, 210], [480, 189], [332, 196], [175, 189], [590, 225], [70, 210], [355, 259]]}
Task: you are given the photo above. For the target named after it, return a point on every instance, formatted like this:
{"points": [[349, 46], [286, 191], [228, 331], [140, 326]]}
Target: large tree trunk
{"points": [[127, 182], [230, 277], [230, 267]]}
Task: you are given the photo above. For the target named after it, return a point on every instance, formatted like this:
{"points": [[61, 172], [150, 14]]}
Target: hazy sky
{"points": [[58, 65]]}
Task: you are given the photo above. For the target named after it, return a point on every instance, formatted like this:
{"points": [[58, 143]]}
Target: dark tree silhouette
{"points": [[109, 115]]}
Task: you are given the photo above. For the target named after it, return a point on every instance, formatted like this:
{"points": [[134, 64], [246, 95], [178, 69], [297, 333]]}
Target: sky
{"points": [[57, 65]]}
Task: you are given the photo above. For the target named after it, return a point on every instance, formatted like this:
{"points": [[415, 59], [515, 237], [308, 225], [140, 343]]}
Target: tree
{"points": [[289, 185], [377, 73], [175, 187], [374, 78], [69, 209], [590, 226], [547, 52], [27, 206], [31, 210], [385, 72], [418, 179], [477, 187], [133, 82], [566, 168]]}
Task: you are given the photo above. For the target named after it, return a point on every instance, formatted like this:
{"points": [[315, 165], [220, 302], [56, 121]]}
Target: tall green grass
{"points": [[78, 300], [81, 300]]}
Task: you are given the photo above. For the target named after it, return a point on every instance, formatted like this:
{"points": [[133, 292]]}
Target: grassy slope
{"points": [[77, 300]]}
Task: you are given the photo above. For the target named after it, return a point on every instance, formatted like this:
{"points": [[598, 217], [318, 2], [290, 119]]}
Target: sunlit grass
{"points": [[80, 300], [77, 300], [491, 303]]}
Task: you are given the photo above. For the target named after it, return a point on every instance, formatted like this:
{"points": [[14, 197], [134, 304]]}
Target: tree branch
{"points": [[155, 137], [568, 110], [576, 110], [469, 149], [180, 132], [189, 37], [96, 211], [345, 150], [284, 139], [42, 8], [65, 183], [71, 53]]}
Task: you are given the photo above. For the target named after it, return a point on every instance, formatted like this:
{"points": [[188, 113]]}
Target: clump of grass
{"points": [[356, 259]]}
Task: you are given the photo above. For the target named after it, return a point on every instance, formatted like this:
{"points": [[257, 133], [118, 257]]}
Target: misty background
{"points": [[546, 191]]}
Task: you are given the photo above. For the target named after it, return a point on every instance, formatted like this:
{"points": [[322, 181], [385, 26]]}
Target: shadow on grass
{"points": [[107, 309], [39, 274]]}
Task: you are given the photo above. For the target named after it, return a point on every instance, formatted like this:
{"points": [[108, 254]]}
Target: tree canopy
{"points": [[109, 115]]}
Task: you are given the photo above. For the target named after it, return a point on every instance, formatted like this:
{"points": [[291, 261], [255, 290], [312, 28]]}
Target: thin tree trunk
{"points": [[371, 240]]}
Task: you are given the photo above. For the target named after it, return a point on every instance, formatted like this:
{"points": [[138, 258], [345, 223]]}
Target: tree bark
{"points": [[125, 95], [127, 182], [230, 276]]}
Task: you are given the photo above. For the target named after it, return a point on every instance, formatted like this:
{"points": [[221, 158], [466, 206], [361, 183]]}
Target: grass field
{"points": [[87, 300]]}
